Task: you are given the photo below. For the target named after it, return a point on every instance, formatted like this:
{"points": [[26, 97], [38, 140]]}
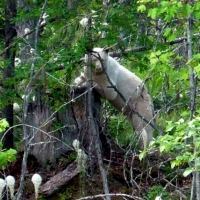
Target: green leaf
{"points": [[141, 8], [169, 127], [142, 155], [167, 31], [187, 172], [173, 164], [184, 76], [162, 148], [152, 13], [11, 155], [152, 143], [3, 125], [154, 61]]}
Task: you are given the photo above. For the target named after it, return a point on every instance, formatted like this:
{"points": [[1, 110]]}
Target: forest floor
{"points": [[126, 175]]}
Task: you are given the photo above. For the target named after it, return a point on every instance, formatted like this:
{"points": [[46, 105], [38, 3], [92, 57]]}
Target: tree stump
{"points": [[46, 144], [50, 134], [81, 113], [85, 136]]}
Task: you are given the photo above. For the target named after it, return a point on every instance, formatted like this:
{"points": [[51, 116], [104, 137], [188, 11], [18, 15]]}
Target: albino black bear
{"points": [[122, 89]]}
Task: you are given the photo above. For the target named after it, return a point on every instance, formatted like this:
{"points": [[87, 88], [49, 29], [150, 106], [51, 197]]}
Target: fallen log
{"points": [[59, 180]]}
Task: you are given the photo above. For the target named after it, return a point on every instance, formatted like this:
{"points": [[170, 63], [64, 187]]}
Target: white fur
{"points": [[128, 84]]}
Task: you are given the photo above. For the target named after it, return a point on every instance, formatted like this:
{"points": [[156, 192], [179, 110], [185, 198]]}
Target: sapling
{"points": [[37, 180]]}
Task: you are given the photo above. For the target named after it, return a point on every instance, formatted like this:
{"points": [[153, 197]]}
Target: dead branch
{"points": [[111, 195], [59, 180]]}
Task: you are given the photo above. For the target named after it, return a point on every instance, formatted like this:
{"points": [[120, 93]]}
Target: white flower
{"points": [[105, 24], [37, 180], [32, 50], [17, 62], [84, 22], [55, 59], [24, 97], [44, 16], [2, 185], [158, 198], [144, 137], [33, 98], [180, 96], [81, 159], [81, 155], [26, 30], [76, 145], [43, 22], [16, 107], [10, 182]]}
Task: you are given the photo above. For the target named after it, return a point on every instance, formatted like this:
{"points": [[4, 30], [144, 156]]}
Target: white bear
{"points": [[124, 90]]}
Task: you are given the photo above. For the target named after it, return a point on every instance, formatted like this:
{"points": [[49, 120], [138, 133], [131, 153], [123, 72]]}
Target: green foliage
{"points": [[68, 194], [182, 141], [6, 156], [157, 190], [120, 129], [71, 157], [3, 125], [149, 23]]}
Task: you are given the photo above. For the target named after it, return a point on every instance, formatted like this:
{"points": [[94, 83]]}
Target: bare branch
{"points": [[111, 195]]}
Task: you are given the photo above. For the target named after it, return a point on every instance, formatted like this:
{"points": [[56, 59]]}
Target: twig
{"points": [[38, 129], [111, 195]]}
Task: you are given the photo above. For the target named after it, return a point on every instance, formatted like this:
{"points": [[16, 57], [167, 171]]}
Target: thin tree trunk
{"points": [[26, 137], [95, 132], [195, 189], [92, 121]]}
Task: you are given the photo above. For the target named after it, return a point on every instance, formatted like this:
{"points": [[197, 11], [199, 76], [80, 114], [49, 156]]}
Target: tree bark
{"points": [[47, 145], [95, 132], [59, 180], [10, 33], [81, 111], [195, 189]]}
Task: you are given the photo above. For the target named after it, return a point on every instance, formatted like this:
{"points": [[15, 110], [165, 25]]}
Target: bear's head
{"points": [[99, 59]]}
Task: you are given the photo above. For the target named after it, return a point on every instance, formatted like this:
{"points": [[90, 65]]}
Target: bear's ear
{"points": [[106, 49]]}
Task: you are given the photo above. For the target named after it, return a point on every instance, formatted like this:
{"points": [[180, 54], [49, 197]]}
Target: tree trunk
{"points": [[10, 33], [81, 112], [24, 53], [195, 190], [46, 144]]}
